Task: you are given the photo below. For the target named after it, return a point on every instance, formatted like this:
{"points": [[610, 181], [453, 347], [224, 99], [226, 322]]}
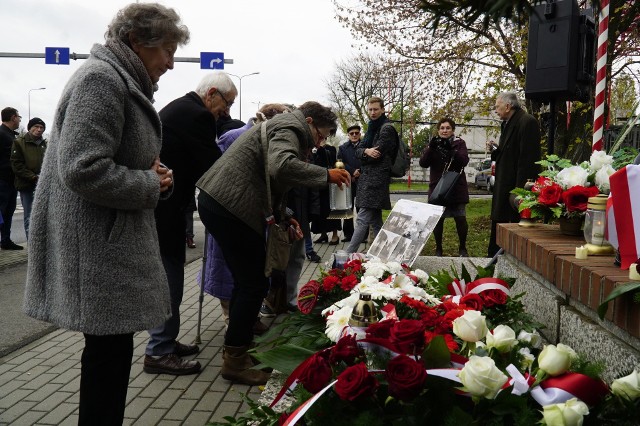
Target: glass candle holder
{"points": [[594, 226]]}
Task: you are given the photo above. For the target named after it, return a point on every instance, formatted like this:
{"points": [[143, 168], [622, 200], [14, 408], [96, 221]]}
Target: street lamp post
{"points": [[30, 90], [240, 77]]}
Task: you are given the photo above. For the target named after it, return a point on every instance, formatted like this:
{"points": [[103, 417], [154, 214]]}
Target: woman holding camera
{"points": [[448, 152]]}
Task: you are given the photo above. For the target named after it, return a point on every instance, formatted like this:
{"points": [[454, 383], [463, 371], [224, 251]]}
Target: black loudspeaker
{"points": [[560, 56]]}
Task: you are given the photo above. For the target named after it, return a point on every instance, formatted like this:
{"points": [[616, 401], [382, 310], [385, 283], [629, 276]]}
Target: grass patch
{"points": [[402, 186], [478, 217]]}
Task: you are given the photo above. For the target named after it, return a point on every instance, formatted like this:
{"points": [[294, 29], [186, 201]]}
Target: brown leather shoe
{"points": [[185, 350], [170, 364], [190, 243]]}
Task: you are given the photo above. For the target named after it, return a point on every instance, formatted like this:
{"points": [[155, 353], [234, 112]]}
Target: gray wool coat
{"points": [[237, 180], [373, 184], [94, 261]]}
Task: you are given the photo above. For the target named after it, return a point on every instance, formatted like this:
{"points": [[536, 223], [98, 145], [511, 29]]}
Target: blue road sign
{"points": [[211, 60], [56, 55]]}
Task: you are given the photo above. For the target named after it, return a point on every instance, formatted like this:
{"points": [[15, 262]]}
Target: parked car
{"points": [[485, 175]]}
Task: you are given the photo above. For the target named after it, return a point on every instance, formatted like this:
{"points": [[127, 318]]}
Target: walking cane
{"points": [[202, 278], [494, 259]]}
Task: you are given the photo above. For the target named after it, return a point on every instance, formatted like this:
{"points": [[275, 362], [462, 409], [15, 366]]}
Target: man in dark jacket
{"points": [[515, 157], [26, 161], [10, 122], [347, 153], [376, 152], [189, 149]]}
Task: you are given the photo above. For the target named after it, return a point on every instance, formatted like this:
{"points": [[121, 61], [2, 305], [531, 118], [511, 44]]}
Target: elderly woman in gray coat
{"points": [[94, 262], [233, 206]]}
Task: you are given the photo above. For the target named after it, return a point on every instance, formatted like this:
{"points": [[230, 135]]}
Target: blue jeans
{"points": [[26, 198], [366, 217], [8, 196]]}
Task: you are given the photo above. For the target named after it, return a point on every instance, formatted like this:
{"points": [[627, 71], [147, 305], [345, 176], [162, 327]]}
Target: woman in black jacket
{"points": [[442, 149]]}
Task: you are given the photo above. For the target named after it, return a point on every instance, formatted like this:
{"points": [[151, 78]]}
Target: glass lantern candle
{"points": [[340, 199], [594, 226]]}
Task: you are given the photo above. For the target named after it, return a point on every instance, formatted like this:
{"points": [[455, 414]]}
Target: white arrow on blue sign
{"points": [[56, 55], [211, 60]]}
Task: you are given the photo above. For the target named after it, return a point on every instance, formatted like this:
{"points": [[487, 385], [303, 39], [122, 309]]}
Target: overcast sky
{"points": [[294, 44]]}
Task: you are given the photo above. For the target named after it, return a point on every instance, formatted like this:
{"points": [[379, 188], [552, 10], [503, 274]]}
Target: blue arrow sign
{"points": [[211, 60], [56, 55]]}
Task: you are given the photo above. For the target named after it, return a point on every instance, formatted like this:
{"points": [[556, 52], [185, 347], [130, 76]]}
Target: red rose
{"points": [[349, 282], [406, 377], [316, 374], [408, 336], [430, 317], [493, 297], [380, 329], [355, 382], [576, 197], [550, 195], [472, 301], [346, 350]]}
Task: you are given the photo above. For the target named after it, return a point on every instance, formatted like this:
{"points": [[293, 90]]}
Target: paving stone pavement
{"points": [[39, 383]]}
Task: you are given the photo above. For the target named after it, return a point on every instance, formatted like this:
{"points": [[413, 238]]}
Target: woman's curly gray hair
{"points": [[150, 24]]}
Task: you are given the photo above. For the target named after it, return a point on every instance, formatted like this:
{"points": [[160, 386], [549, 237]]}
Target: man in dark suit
{"points": [[347, 153], [515, 157], [189, 149]]}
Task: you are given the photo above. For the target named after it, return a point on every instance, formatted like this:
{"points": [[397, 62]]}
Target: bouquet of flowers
{"points": [[447, 350], [562, 189]]}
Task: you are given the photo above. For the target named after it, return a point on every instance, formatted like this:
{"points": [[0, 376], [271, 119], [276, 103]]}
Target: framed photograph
{"points": [[406, 231]]}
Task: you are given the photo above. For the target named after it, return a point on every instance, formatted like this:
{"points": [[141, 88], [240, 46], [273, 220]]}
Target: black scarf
{"points": [[134, 66], [373, 128]]}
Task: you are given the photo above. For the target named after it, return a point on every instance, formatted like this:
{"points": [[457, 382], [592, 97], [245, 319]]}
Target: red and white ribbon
{"points": [[304, 407], [601, 75], [555, 390], [459, 289]]}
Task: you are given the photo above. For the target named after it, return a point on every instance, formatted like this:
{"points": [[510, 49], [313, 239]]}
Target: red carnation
{"points": [[329, 282], [576, 197], [406, 377], [349, 282], [355, 382], [550, 195]]}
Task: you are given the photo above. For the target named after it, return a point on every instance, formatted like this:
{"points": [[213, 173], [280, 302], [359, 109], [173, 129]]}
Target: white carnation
{"points": [[598, 160]]}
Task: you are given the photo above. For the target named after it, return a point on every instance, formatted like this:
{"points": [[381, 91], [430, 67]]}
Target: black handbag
{"points": [[443, 193]]}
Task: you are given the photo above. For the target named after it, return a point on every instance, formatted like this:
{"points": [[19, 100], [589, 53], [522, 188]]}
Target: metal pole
{"points": [[240, 77], [203, 273], [29, 96]]}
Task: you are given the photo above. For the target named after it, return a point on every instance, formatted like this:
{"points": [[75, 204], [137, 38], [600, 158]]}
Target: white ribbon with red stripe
{"points": [[459, 289]]}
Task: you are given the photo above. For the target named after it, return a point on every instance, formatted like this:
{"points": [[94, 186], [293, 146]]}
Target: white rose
{"points": [[503, 338], [627, 387], [602, 178], [570, 413], [527, 358], [481, 378], [533, 339], [556, 360], [572, 176], [470, 327], [598, 160]]}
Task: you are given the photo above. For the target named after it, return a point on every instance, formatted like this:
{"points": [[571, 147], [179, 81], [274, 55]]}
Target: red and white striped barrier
{"points": [[601, 75]]}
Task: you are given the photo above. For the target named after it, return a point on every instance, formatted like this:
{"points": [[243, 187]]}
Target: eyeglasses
{"points": [[321, 137], [354, 133], [226, 102]]}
